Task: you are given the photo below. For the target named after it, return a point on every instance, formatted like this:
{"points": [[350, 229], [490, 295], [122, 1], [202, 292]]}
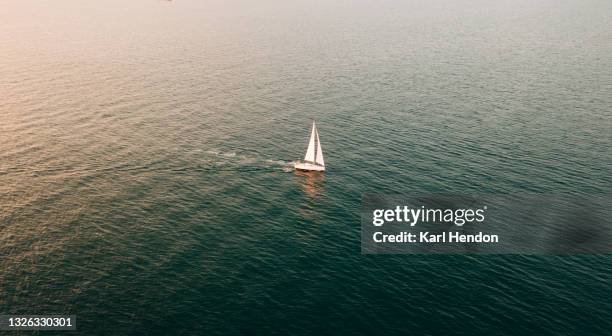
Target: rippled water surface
{"points": [[145, 147]]}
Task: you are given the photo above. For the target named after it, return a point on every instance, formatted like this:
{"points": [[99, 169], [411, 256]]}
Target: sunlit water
{"points": [[145, 147]]}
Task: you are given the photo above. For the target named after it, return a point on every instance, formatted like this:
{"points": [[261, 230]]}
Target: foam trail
{"points": [[245, 160]]}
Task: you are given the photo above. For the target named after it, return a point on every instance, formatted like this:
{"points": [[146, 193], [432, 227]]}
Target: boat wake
{"points": [[234, 158], [313, 160]]}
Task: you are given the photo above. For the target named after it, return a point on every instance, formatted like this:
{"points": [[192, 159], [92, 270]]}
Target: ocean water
{"points": [[146, 146]]}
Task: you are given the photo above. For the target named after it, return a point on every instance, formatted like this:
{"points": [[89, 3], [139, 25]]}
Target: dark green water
{"points": [[145, 146]]}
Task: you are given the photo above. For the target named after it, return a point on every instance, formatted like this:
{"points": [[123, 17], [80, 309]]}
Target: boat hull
{"points": [[304, 166]]}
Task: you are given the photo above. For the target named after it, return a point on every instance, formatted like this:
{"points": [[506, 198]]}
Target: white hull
{"points": [[308, 166]]}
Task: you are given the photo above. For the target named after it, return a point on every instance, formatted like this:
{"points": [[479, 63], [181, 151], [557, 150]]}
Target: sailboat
{"points": [[313, 160]]}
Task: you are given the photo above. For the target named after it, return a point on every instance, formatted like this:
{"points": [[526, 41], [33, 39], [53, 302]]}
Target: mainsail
{"points": [[319, 152], [310, 152]]}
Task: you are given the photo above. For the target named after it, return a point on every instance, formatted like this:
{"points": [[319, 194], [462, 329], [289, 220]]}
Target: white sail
{"points": [[314, 154], [319, 152], [310, 152]]}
